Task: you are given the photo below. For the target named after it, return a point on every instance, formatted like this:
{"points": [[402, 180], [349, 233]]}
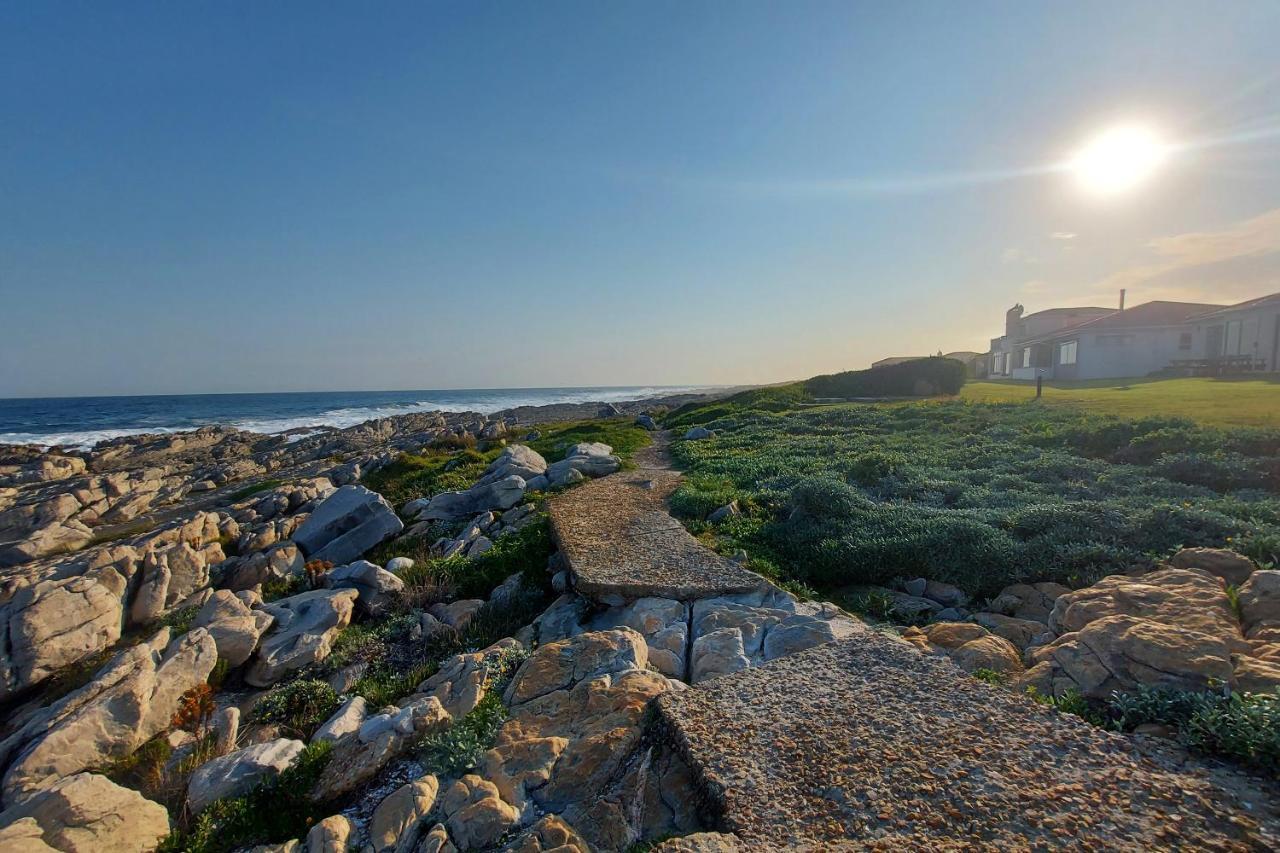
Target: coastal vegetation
{"points": [[976, 495]]}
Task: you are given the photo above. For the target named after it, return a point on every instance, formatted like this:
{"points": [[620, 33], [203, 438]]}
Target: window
{"points": [[1026, 357], [1233, 337], [1184, 341], [1067, 352]]}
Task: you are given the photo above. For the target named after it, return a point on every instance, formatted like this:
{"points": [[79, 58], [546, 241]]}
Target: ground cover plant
{"points": [[977, 495], [922, 377]]}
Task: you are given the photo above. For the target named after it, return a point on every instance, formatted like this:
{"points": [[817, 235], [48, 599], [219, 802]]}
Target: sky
{"points": [[246, 196]]}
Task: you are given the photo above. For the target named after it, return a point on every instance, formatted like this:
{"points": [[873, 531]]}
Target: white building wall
{"points": [[1130, 354]]}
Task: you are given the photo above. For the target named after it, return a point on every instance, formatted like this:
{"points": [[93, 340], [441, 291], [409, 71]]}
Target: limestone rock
{"points": [[664, 624], [237, 772], [397, 821], [549, 833], [515, 460], [305, 625], [1186, 598], [558, 666], [346, 525], [463, 680], [458, 614], [436, 840], [331, 835], [378, 588], [1021, 632], [131, 700], [53, 623], [589, 459], [1233, 568], [346, 720], [1260, 601], [88, 813], [234, 627], [1028, 601], [355, 760], [1120, 653], [477, 816]]}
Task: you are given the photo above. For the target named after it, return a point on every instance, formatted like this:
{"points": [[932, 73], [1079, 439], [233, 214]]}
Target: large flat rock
{"points": [[621, 544], [865, 743]]}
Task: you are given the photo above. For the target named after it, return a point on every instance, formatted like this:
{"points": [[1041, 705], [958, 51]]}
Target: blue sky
{"points": [[298, 196]]}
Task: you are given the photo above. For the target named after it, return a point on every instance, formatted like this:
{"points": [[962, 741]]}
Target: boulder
{"points": [[347, 719], [1185, 599], [1259, 599], [457, 614], [729, 510], [238, 772], [235, 628], [305, 625], [356, 760], [436, 840], [1123, 652], [131, 700], [378, 588], [86, 813], [346, 525], [1028, 601], [560, 665], [698, 433], [515, 460], [463, 680], [331, 835], [1021, 632], [970, 647], [397, 821], [399, 564], [590, 459], [664, 624], [646, 422], [476, 815], [1233, 568], [53, 623]]}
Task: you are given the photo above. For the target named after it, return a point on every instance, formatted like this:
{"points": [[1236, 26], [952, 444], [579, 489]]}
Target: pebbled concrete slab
{"points": [[621, 544], [866, 744]]}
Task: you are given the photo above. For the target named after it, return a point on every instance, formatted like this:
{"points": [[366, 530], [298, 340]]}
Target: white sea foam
{"points": [[482, 402]]}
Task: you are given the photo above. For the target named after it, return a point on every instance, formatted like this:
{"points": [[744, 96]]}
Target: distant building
{"points": [[1160, 336], [1007, 356]]}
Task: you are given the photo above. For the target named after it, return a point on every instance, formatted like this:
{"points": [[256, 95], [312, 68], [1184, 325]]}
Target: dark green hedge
{"points": [[921, 378]]}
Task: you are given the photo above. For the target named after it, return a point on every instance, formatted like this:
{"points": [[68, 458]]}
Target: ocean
{"points": [[84, 421]]}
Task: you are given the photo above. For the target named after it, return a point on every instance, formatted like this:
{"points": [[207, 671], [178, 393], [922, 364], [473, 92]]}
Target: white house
{"points": [[1008, 359], [1248, 329]]}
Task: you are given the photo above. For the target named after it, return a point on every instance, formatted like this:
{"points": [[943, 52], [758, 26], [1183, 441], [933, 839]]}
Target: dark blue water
{"points": [[83, 421]]}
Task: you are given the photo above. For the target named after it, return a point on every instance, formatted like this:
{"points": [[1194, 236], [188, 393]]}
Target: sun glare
{"points": [[1119, 159]]}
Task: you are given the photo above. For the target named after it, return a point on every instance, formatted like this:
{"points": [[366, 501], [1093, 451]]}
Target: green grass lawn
{"points": [[1216, 402]]}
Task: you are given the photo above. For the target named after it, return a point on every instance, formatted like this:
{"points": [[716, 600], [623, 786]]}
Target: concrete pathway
{"points": [[621, 543]]}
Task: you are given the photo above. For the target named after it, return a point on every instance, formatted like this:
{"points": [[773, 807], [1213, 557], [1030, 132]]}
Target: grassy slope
{"points": [[1243, 402]]}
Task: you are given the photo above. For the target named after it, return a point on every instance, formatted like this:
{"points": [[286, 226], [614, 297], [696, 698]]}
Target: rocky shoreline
{"points": [[218, 640]]}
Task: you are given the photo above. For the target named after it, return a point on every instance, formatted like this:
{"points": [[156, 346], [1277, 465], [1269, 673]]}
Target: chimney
{"points": [[1122, 299]]}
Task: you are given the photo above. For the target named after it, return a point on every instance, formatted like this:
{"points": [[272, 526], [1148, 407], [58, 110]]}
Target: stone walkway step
{"points": [[867, 744], [621, 544]]}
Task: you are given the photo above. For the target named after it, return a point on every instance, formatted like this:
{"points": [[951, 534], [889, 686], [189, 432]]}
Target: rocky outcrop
{"points": [[1121, 653], [968, 645], [53, 623], [235, 628], [397, 822], [464, 680], [1233, 568], [131, 700], [305, 625], [346, 525], [588, 459], [237, 772], [376, 587], [360, 755], [1260, 606], [84, 813]]}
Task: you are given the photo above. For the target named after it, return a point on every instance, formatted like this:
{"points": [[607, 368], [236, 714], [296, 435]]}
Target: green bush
{"points": [[275, 811], [1241, 726], [697, 497], [298, 707], [922, 377]]}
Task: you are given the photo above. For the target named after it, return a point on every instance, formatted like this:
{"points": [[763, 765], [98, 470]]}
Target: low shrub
{"points": [[1244, 727], [256, 488], [298, 707], [458, 749], [921, 377], [275, 811]]}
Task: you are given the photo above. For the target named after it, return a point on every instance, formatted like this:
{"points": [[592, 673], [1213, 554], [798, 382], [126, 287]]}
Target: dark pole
{"points": [[1039, 386]]}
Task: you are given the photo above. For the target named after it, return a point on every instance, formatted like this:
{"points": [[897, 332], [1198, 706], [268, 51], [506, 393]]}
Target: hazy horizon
{"points": [[277, 198]]}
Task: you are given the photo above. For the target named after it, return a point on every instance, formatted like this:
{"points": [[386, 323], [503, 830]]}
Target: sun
{"points": [[1119, 159]]}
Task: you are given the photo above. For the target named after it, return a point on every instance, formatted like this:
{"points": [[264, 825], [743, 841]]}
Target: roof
{"points": [[1051, 311], [1148, 314], [1247, 305]]}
